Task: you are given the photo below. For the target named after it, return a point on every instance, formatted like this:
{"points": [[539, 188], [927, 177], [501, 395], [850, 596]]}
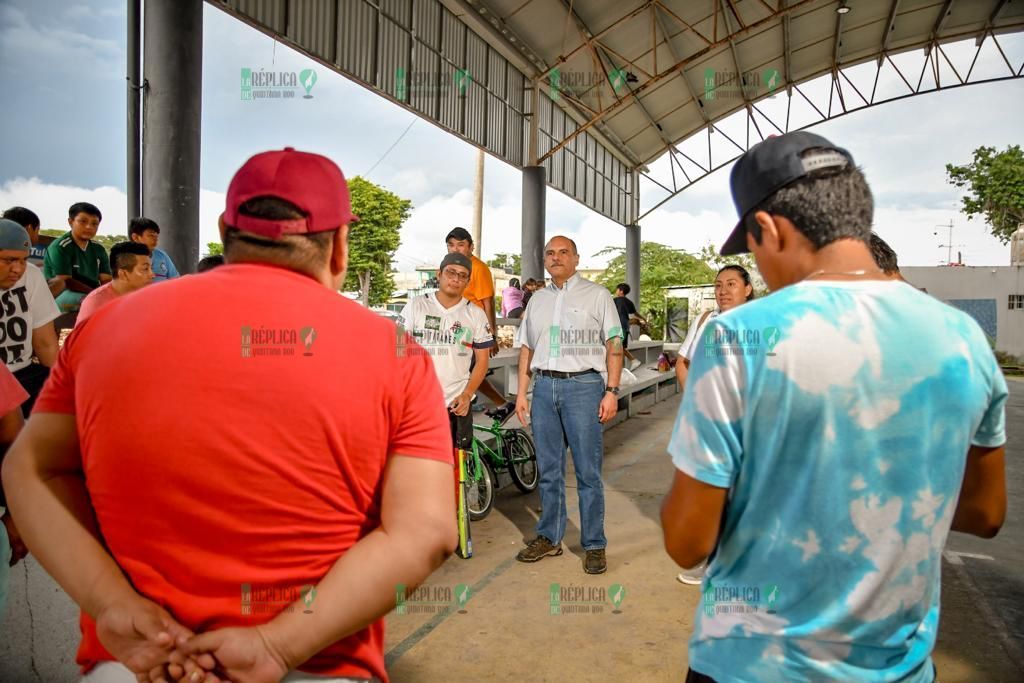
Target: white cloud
{"points": [[52, 48], [51, 202]]}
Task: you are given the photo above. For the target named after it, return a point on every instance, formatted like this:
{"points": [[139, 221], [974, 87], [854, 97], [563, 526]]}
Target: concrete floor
{"points": [[507, 629]]}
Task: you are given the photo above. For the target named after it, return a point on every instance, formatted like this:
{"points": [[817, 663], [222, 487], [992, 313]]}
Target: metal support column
{"points": [[534, 190], [633, 239], [173, 72], [133, 180], [534, 194], [633, 263]]}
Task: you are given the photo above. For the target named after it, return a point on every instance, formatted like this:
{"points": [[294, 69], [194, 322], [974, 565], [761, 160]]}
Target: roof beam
{"points": [[503, 32], [725, 4], [787, 51], [562, 59], [939, 23], [601, 51], [677, 58], [684, 24], [887, 34], [699, 54], [991, 22]]}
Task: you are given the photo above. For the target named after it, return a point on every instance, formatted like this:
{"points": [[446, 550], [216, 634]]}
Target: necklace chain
{"points": [[844, 272]]}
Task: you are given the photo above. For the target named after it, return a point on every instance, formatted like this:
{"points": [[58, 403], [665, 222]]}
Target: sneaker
{"points": [[538, 549], [634, 364], [595, 562], [501, 414], [693, 576]]}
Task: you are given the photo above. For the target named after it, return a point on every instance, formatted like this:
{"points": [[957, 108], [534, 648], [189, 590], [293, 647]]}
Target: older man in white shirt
{"points": [[572, 342]]}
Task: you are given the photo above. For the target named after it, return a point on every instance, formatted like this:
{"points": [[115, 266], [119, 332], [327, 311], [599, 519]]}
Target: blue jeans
{"points": [[564, 412]]}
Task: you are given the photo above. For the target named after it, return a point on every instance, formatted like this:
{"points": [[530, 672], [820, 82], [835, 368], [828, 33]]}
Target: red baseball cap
{"points": [[310, 181]]}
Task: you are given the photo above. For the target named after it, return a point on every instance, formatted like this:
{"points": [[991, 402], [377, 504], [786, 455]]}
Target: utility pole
{"points": [[478, 204]]}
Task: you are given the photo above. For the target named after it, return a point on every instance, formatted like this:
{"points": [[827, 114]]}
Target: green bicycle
{"points": [[513, 449]]}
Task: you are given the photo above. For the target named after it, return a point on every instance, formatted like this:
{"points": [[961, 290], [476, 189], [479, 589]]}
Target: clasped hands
{"points": [[146, 639]]}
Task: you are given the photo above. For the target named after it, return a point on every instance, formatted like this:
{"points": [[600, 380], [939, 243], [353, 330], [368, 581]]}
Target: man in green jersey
{"points": [[75, 258]]}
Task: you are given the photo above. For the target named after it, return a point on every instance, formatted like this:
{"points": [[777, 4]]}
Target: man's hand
{"points": [[523, 409], [494, 349], [243, 655], [608, 408], [139, 633], [460, 406], [18, 549]]}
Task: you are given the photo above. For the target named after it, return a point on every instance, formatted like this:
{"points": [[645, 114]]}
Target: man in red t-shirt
{"points": [[290, 470]]}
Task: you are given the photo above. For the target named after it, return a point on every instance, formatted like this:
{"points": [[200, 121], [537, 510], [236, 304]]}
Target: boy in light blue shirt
{"points": [[830, 437], [146, 231]]}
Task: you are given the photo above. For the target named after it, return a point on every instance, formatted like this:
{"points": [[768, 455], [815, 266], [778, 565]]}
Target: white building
{"points": [[992, 295]]}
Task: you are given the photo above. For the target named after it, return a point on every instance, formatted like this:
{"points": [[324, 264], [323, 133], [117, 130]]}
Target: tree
{"points": [[214, 249], [372, 241], [995, 181], [661, 266], [511, 263], [709, 254]]}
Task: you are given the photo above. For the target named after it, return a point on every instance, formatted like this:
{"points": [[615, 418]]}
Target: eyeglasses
{"points": [[457, 275]]}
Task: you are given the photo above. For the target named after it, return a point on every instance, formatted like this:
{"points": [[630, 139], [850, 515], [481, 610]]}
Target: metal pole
{"points": [[633, 239], [533, 151], [173, 72], [478, 204], [633, 263], [534, 195], [533, 222], [133, 179]]}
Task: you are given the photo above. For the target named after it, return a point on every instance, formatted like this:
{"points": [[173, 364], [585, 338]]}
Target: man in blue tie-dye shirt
{"points": [[830, 436]]}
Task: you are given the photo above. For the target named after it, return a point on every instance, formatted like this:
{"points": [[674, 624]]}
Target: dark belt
{"points": [[557, 374]]}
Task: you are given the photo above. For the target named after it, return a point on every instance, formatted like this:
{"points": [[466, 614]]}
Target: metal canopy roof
{"points": [[617, 84]]}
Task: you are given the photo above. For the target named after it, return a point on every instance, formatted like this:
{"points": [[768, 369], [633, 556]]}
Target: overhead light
{"points": [[842, 9]]}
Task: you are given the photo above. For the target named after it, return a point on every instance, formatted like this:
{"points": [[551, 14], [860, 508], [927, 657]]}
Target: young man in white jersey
{"points": [[453, 331]]}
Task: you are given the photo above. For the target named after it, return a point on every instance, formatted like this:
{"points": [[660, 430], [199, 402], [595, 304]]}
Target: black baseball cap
{"points": [[459, 234], [456, 259], [771, 165]]}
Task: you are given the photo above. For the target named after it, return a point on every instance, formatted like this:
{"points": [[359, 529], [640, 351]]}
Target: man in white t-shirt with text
{"points": [[454, 332], [27, 311]]}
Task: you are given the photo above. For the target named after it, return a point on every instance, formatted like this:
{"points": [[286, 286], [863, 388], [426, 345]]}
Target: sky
{"points": [[64, 141]]}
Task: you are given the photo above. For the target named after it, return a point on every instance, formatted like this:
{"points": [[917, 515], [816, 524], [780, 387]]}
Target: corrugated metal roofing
{"points": [[623, 82]]}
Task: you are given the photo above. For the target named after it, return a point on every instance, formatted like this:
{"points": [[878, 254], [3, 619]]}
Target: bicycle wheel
{"points": [[480, 497], [522, 460]]}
